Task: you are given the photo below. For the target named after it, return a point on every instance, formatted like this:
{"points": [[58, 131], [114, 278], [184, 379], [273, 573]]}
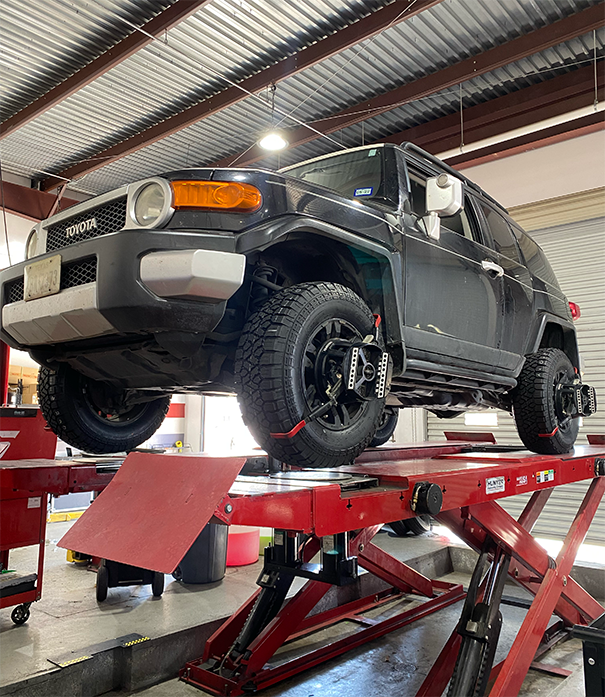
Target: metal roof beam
{"points": [[31, 203], [530, 105], [321, 50], [492, 59], [125, 48], [559, 133]]}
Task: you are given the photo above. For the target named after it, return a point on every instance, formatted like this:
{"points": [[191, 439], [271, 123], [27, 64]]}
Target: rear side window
{"points": [[369, 174], [502, 235], [535, 258]]}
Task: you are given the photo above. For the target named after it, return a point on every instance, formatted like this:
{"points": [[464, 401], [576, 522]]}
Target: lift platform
{"points": [[325, 521]]}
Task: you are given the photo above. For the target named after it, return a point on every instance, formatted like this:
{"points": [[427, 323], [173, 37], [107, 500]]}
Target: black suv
{"points": [[326, 295]]}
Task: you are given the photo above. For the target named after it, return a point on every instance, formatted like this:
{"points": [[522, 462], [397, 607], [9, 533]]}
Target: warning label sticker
{"points": [[495, 485], [545, 476]]}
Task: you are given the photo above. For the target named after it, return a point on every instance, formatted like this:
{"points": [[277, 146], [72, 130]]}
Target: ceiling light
{"points": [[274, 140]]}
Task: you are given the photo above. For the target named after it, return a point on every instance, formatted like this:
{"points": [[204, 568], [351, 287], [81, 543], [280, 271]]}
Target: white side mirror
{"points": [[444, 197]]}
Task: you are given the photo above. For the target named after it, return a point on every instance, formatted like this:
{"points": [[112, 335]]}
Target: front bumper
{"points": [[146, 282]]}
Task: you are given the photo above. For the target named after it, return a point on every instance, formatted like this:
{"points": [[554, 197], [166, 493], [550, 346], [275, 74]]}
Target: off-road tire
{"points": [[418, 525], [72, 417], [399, 527], [269, 375], [534, 406], [386, 427]]}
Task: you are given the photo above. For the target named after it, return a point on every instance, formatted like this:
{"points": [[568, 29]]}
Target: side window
{"points": [[418, 193], [502, 235], [462, 223], [534, 257]]}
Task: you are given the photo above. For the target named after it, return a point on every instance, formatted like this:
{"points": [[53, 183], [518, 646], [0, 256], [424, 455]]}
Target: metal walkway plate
{"points": [[153, 509]]}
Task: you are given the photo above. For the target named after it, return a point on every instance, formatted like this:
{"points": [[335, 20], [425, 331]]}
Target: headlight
{"points": [[31, 246], [149, 204]]}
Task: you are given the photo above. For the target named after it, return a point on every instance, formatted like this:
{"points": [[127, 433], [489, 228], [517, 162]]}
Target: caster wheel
{"points": [[102, 583], [157, 585], [20, 614]]}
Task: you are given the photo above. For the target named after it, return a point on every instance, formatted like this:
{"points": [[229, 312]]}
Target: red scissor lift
{"points": [[337, 513]]}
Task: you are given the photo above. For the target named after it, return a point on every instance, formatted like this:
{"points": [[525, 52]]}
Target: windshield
{"points": [[355, 174]]}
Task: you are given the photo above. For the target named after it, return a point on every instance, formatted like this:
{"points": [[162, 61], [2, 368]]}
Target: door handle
{"points": [[488, 265]]}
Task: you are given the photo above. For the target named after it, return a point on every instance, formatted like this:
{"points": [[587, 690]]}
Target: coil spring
{"points": [[259, 293]]}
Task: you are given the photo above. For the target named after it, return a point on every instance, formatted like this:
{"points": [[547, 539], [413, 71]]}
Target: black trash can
{"points": [[206, 560]]}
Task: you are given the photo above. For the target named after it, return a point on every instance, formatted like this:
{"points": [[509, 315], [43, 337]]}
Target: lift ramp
{"points": [[153, 509]]}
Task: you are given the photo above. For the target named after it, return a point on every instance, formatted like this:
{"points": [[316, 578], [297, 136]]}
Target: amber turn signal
{"points": [[224, 196]]}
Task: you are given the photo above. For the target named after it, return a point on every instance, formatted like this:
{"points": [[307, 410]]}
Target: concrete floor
{"points": [[68, 619]]}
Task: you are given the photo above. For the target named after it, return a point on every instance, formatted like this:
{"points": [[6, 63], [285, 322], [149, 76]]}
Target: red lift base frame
{"points": [[293, 622], [547, 579]]}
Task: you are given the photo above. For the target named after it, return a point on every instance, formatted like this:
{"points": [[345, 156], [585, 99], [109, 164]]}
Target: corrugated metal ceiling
{"points": [[231, 39]]}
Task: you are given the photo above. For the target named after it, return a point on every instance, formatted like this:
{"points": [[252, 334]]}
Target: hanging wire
{"points": [[272, 91], [461, 120], [238, 86], [596, 82], [164, 41], [354, 57], [8, 249]]}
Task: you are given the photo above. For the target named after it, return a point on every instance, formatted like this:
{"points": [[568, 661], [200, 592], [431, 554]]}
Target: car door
{"points": [[452, 303], [518, 297]]}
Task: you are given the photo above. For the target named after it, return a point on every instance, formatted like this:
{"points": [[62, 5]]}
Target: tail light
{"points": [[233, 196], [575, 311]]}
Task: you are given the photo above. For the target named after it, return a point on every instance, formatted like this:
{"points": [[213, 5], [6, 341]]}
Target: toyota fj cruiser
{"points": [[326, 295]]}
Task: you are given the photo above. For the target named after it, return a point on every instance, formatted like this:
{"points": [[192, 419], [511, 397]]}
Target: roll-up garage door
{"points": [[576, 251]]}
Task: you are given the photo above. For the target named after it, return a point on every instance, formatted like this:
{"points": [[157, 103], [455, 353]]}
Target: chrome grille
{"points": [[76, 273], [109, 217]]}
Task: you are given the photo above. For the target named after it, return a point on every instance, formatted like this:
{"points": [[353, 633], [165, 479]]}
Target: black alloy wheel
{"points": [[289, 359]]}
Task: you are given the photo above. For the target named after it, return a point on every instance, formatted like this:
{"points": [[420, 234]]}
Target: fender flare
{"points": [[262, 237], [569, 336]]}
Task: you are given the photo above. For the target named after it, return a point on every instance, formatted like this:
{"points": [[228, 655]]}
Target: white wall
{"points": [[18, 230], [554, 170]]}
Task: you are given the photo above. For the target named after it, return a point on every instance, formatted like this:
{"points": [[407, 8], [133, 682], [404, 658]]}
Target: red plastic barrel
{"points": [[242, 545]]}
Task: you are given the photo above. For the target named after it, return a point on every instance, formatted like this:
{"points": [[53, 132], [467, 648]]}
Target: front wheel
{"points": [[291, 356], [71, 406], [541, 426]]}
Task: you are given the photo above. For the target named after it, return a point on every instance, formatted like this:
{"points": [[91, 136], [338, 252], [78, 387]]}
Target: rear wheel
{"points": [[72, 408], [289, 358], [417, 525], [541, 425], [386, 427]]}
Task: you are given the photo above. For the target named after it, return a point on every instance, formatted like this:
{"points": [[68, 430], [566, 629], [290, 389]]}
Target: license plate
{"points": [[42, 278]]}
